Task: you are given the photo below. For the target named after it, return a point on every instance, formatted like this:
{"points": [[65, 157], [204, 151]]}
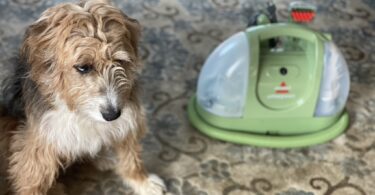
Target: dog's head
{"points": [[85, 56]]}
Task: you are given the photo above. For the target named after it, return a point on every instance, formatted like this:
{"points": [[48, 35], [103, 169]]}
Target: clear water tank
{"points": [[335, 83], [223, 82]]}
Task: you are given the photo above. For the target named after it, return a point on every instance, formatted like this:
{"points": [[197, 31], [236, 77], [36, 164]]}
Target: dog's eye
{"points": [[83, 69], [120, 62]]}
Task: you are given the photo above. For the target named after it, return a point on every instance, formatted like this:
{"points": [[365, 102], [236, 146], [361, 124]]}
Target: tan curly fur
{"points": [[80, 61]]}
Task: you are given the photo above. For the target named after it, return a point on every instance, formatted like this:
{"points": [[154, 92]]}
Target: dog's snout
{"points": [[110, 113]]}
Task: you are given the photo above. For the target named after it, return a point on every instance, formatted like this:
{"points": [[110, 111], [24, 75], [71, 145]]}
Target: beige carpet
{"points": [[177, 37]]}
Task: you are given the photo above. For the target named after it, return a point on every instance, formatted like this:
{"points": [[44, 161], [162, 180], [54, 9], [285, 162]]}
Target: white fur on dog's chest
{"points": [[76, 135]]}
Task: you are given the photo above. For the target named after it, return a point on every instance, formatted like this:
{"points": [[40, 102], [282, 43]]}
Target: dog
{"points": [[78, 92]]}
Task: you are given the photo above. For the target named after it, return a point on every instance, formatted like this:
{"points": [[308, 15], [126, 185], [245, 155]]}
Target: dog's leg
{"points": [[131, 169], [57, 189], [7, 124], [33, 165]]}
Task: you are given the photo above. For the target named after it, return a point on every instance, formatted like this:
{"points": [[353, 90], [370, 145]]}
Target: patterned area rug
{"points": [[177, 37]]}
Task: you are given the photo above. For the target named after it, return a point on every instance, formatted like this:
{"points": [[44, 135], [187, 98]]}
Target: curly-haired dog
{"points": [[78, 89]]}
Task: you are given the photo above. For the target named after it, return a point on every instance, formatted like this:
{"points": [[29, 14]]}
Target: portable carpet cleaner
{"points": [[278, 85]]}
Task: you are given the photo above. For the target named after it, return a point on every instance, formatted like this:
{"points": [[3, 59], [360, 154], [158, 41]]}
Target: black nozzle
{"points": [[271, 9], [270, 13]]}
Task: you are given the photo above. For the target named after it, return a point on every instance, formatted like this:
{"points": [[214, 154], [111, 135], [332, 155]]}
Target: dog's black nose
{"points": [[110, 113]]}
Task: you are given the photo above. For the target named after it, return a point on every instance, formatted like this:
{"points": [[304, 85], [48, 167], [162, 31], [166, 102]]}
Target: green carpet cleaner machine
{"points": [[278, 85]]}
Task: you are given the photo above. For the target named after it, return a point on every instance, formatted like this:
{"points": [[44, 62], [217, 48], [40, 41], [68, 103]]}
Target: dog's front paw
{"points": [[154, 185]]}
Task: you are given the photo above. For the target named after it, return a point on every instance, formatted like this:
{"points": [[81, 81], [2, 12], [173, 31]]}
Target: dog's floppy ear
{"points": [[41, 41], [134, 29], [31, 41]]}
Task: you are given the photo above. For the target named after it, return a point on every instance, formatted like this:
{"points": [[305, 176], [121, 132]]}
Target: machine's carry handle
{"points": [[269, 31]]}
